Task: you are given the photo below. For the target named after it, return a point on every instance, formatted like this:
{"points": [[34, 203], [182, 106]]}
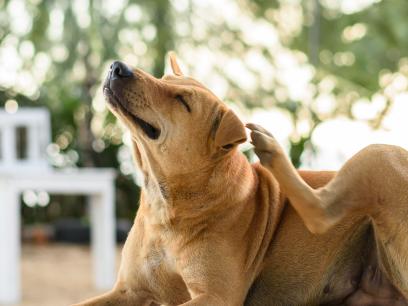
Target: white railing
{"points": [[35, 122]]}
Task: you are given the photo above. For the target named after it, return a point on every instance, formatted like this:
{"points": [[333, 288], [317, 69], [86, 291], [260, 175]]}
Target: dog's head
{"points": [[178, 126]]}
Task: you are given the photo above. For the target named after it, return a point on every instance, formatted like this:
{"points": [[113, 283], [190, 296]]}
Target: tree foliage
{"points": [[64, 48]]}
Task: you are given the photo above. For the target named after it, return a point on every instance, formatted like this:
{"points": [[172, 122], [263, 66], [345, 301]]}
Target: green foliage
{"points": [[354, 48], [80, 53], [74, 43]]}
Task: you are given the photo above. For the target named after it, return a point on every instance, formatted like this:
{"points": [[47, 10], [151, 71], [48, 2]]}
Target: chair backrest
{"points": [[24, 136]]}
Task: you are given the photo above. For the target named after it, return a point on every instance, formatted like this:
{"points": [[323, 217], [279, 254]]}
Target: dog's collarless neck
{"points": [[207, 194]]}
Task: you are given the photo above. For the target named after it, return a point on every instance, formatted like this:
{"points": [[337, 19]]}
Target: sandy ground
{"points": [[57, 274]]}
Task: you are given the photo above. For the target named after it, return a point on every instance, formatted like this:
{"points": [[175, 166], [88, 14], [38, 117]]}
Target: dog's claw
{"points": [[255, 127], [265, 145]]}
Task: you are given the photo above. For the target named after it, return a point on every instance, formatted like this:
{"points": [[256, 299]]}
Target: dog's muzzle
{"points": [[118, 70]]}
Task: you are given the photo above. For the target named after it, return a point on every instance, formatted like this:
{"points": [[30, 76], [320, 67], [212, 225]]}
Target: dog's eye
{"points": [[182, 101]]}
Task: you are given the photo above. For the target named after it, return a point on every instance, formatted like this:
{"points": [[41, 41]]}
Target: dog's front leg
{"points": [[212, 271], [119, 297], [204, 299]]}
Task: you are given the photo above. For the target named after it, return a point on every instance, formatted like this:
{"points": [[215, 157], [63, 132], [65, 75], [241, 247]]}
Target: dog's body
{"points": [[214, 230]]}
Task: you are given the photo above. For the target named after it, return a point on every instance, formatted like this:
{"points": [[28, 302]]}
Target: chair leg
{"points": [[10, 245], [103, 237]]}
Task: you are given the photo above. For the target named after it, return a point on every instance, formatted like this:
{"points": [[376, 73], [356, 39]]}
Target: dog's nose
{"points": [[119, 71]]}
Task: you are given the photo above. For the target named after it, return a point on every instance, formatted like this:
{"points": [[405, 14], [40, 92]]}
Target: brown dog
{"points": [[214, 230]]}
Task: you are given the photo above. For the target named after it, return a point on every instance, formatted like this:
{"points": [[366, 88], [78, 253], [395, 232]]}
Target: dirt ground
{"points": [[57, 274]]}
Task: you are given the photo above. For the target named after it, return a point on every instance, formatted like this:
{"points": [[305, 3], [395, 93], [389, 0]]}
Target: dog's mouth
{"points": [[151, 131]]}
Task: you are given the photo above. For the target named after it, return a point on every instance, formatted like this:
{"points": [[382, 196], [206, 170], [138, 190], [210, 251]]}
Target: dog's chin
{"points": [[118, 107]]}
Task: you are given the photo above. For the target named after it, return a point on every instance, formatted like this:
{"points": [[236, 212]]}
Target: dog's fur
{"points": [[212, 229]]}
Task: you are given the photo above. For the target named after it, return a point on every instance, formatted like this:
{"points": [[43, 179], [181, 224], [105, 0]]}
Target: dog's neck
{"points": [[189, 196]]}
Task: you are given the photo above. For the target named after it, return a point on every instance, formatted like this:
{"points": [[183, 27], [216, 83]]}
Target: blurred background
{"points": [[327, 77]]}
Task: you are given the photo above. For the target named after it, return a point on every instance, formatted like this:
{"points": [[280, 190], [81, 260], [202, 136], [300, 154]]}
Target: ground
{"points": [[57, 274]]}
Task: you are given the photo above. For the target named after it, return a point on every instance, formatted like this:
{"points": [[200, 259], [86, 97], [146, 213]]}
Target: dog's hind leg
{"points": [[374, 182]]}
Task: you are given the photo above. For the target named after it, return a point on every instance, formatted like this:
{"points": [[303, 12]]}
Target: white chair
{"points": [[30, 170]]}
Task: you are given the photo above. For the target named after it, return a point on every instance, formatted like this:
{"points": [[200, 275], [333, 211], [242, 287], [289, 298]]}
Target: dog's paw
{"points": [[266, 146]]}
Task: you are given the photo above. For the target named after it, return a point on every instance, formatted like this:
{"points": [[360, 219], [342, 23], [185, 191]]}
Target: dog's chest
{"points": [[159, 267], [157, 259]]}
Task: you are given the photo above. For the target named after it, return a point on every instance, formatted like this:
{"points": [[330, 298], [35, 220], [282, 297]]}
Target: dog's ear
{"points": [[174, 65], [230, 132]]}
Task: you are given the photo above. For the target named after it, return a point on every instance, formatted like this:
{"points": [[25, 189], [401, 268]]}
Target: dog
{"points": [[213, 229]]}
